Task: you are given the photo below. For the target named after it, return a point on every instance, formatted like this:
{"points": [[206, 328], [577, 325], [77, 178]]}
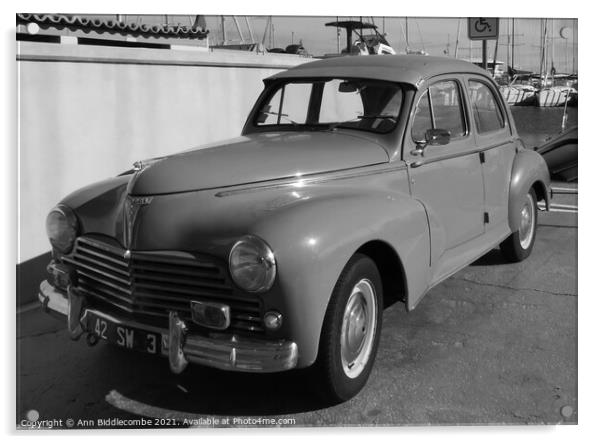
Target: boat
{"points": [[373, 43], [520, 91], [518, 95], [560, 154], [554, 95], [554, 89], [570, 81]]}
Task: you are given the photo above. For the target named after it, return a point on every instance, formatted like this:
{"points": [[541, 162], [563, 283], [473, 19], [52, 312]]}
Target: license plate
{"points": [[124, 336]]}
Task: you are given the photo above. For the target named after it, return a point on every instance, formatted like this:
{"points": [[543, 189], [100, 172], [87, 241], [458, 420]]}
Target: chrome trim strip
{"points": [[419, 163], [310, 180], [497, 145]]}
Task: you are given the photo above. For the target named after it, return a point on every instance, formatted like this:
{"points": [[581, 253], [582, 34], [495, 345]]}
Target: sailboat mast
{"points": [[457, 40], [508, 42], [338, 38], [266, 30], [240, 36], [512, 60], [407, 36], [470, 50], [543, 49], [252, 36], [223, 20], [553, 68], [497, 42]]}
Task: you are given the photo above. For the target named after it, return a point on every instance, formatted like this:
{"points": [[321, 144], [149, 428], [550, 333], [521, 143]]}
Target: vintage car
{"points": [[357, 181]]}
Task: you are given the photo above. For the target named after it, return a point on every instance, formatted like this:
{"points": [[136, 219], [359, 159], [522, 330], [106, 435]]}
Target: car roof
{"points": [[412, 69]]}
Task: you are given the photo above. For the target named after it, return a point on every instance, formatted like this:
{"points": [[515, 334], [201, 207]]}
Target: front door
{"points": [[446, 179]]}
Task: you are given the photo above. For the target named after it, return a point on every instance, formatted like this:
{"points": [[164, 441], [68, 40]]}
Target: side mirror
{"points": [[431, 137], [437, 136]]}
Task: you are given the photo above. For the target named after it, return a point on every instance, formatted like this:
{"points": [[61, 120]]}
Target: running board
{"points": [[559, 208], [561, 190]]}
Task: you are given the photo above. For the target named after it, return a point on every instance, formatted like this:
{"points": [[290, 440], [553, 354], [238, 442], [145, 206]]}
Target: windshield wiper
{"points": [[335, 125], [379, 116], [291, 121]]}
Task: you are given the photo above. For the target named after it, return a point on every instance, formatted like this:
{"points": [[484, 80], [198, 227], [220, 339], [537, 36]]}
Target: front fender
{"points": [[313, 242], [528, 170]]}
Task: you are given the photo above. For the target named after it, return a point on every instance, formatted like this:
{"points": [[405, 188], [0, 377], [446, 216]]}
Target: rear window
{"points": [[487, 113]]}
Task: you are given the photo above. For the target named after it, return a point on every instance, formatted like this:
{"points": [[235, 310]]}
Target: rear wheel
{"points": [[519, 244], [351, 331]]}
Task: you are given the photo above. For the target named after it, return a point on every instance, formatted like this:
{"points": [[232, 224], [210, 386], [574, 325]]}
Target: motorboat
{"points": [[360, 43]]}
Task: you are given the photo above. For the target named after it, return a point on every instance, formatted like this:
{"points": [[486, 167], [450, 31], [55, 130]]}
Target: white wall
{"points": [[87, 112]]}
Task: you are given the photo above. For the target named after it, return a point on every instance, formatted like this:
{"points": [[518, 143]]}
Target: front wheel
{"points": [[519, 244], [351, 331]]}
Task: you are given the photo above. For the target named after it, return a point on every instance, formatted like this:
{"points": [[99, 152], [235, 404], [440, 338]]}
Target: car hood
{"points": [[256, 158]]}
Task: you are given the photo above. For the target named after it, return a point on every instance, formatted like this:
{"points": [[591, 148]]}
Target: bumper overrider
{"points": [[227, 352]]}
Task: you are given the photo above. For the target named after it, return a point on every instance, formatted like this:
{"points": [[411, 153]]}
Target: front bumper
{"points": [[227, 352]]}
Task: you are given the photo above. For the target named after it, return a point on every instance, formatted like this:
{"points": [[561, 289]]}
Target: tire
{"points": [[517, 247], [351, 331]]}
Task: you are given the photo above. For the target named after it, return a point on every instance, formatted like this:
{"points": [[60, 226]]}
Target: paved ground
{"points": [[496, 343]]}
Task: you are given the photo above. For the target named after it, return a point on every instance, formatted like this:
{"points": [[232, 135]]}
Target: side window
{"points": [[487, 113], [440, 108], [294, 99], [447, 108], [422, 119]]}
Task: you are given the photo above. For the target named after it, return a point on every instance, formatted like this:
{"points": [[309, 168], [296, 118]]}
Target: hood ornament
{"points": [[132, 205], [141, 165]]}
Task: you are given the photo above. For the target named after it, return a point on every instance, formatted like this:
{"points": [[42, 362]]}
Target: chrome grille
{"points": [[152, 284]]}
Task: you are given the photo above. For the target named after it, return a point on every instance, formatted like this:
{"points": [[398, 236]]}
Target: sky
{"points": [[434, 35]]}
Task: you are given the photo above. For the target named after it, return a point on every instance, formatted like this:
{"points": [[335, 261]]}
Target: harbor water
{"points": [[535, 125]]}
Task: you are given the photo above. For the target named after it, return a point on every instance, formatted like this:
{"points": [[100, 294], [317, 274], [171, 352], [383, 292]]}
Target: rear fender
{"points": [[528, 171]]}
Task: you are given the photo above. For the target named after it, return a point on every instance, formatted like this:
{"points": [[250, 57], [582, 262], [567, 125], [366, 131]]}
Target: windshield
{"points": [[366, 105]]}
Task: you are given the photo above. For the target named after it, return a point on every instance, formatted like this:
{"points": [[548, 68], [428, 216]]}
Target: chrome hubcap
{"points": [[358, 329], [526, 228]]}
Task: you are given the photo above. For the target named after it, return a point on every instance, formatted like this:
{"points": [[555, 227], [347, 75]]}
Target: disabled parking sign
{"points": [[483, 28]]}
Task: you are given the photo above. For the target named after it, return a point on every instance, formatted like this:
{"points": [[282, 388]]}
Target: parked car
{"points": [[356, 181]]}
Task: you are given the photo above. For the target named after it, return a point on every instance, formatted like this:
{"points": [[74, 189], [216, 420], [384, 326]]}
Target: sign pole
{"points": [[484, 60]]}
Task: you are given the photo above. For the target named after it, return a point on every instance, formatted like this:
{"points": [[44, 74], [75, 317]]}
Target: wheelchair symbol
{"points": [[482, 25]]}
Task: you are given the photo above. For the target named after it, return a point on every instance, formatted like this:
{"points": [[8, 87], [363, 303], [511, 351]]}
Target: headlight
{"points": [[252, 265], [61, 228]]}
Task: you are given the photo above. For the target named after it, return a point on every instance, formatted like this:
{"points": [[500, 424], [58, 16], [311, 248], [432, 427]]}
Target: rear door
{"points": [[446, 179], [495, 140]]}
